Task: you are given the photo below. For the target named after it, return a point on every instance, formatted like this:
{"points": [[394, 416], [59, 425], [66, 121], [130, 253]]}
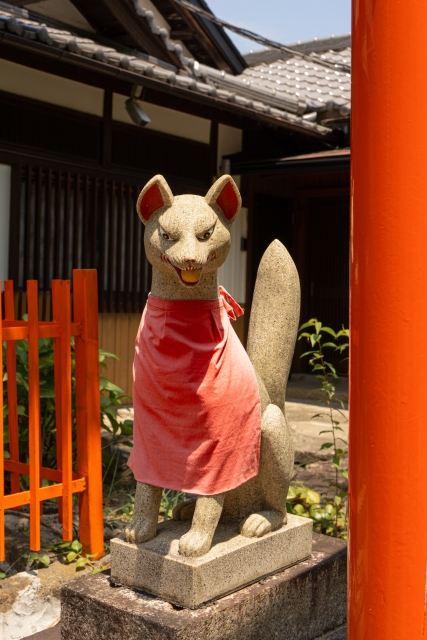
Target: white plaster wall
{"points": [[166, 120], [5, 175], [229, 141], [31, 83], [232, 274]]}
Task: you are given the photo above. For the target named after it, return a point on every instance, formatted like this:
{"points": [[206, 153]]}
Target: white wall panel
{"points": [[232, 274], [166, 120], [39, 85]]}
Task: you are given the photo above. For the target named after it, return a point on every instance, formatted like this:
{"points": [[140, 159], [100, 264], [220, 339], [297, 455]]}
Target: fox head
{"points": [[187, 237]]}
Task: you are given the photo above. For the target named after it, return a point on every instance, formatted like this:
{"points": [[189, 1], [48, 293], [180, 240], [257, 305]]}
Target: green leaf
{"points": [[326, 445], [106, 354], [126, 429], [33, 557], [329, 344], [106, 385], [44, 560], [329, 330], [71, 556], [328, 364], [96, 571], [2, 575], [314, 338], [76, 546], [310, 323], [343, 332], [81, 562]]}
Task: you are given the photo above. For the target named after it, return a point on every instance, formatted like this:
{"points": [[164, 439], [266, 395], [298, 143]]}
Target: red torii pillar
{"points": [[388, 363]]}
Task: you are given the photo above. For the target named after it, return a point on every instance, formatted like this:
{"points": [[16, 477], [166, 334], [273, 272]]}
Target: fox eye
{"points": [[163, 233], [207, 234]]}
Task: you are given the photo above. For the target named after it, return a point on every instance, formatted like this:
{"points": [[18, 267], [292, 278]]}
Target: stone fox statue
{"points": [[209, 417]]}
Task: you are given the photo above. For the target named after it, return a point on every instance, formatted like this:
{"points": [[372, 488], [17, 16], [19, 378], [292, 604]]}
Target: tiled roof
{"points": [[257, 95], [318, 87], [316, 46]]}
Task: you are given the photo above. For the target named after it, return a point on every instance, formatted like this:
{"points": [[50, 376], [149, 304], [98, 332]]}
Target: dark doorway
{"points": [[328, 270], [272, 220]]}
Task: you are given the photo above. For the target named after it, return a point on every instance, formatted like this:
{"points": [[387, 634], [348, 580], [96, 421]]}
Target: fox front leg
{"points": [[207, 513], [146, 513]]}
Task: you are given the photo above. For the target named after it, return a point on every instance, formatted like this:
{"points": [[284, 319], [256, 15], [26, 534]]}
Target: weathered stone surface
{"points": [[29, 600], [336, 634], [233, 561], [301, 603], [24, 606]]}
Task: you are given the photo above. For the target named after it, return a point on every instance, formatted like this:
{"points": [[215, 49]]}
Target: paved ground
{"points": [[306, 429]]}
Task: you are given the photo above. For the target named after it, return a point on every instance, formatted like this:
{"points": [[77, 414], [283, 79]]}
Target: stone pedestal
{"points": [[304, 602], [233, 562]]}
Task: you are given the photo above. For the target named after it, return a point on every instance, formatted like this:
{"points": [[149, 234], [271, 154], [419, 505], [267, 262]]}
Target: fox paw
{"points": [[258, 524], [140, 531], [194, 544]]}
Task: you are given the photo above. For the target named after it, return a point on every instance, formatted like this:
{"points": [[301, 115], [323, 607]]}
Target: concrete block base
{"points": [[233, 562], [303, 602]]}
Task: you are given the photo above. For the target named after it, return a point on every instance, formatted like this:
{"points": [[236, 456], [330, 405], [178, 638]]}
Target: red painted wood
{"points": [[2, 532], [34, 414], [85, 294], [64, 443], [88, 481], [388, 377], [12, 392]]}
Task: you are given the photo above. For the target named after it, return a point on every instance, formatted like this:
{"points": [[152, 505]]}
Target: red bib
{"points": [[196, 402]]}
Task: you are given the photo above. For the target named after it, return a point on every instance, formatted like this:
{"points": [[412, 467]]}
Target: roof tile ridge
{"points": [[171, 45]]}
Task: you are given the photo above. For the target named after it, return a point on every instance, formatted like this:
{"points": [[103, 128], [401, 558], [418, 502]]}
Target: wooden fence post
{"points": [[1, 439], [85, 303], [12, 392], [64, 437], [34, 436]]}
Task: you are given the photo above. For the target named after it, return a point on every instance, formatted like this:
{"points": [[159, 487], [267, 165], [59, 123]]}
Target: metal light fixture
{"points": [[134, 109]]}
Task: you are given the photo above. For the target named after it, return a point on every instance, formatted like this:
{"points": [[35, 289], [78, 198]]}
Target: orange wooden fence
{"points": [[87, 482]]}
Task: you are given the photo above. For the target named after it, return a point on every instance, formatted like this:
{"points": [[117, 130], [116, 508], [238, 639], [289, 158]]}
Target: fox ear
{"points": [[225, 195], [154, 195]]}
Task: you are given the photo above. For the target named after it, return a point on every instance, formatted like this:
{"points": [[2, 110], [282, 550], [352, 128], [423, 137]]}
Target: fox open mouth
{"points": [[190, 276]]}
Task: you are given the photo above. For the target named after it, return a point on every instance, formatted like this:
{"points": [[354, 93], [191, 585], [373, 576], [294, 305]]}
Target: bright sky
{"points": [[285, 21]]}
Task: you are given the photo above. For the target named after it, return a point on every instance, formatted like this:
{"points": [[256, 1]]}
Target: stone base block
{"points": [[303, 602], [233, 562]]}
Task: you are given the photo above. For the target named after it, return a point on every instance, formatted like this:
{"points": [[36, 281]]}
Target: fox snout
{"points": [[187, 236]]}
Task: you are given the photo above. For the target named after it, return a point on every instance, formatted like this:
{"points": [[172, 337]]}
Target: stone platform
{"points": [[233, 562], [305, 602]]}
